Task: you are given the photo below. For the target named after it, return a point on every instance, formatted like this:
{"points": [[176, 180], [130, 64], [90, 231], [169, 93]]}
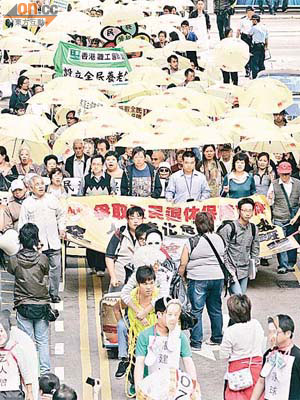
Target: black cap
{"points": [[226, 146], [249, 8], [256, 17]]}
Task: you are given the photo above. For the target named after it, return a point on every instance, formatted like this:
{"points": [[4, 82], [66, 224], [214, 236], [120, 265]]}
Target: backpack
{"points": [[233, 229]]}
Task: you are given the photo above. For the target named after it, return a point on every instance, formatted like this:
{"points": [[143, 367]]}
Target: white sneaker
{"points": [[100, 273]]}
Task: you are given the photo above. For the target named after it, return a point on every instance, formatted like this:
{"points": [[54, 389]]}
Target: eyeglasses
{"points": [[164, 170], [133, 218]]}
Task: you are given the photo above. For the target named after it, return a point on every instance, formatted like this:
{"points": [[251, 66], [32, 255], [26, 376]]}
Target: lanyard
{"points": [[191, 185]]}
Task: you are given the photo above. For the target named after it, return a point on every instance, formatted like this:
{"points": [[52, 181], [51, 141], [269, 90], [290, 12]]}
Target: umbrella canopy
{"points": [[17, 46], [172, 19], [269, 146], [155, 102], [135, 89], [39, 75], [19, 32], [141, 62], [231, 54], [152, 75], [117, 15], [245, 112], [182, 46], [225, 90], [266, 95], [11, 72], [133, 45], [43, 57], [26, 127], [52, 37], [67, 22], [185, 116]]}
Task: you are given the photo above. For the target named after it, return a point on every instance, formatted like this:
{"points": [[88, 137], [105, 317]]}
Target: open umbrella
{"points": [[19, 32], [141, 62], [39, 75], [266, 95], [52, 37], [118, 15], [155, 102], [231, 54], [269, 146], [226, 91], [17, 46], [245, 112], [11, 72], [183, 46], [135, 89], [43, 57], [67, 22], [184, 116], [133, 45], [172, 19], [152, 75]]}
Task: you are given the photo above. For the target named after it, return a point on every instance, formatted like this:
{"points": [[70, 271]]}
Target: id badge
{"points": [[266, 369]]}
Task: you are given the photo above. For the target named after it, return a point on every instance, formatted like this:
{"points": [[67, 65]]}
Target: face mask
{"points": [[154, 240]]}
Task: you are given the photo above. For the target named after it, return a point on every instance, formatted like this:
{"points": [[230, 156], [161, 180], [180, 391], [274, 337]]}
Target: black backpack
{"points": [[233, 229]]}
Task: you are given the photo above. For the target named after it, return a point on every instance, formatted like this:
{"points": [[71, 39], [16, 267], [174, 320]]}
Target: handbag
{"points": [[12, 395], [267, 55], [38, 311], [241, 379]]}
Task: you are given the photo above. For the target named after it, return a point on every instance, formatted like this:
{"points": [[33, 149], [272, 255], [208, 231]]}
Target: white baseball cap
{"points": [[17, 184]]}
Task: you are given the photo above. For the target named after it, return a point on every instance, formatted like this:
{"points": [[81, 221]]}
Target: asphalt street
{"points": [[76, 348]]}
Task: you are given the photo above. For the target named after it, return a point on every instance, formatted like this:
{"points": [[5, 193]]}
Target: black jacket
{"points": [[69, 164], [126, 182], [194, 14]]}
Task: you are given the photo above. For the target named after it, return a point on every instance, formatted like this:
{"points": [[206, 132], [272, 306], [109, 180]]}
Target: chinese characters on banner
{"points": [[105, 65], [92, 220]]}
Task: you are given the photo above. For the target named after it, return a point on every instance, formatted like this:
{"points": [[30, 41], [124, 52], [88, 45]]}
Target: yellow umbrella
{"points": [[135, 89], [19, 32], [17, 46], [37, 150], [269, 146], [67, 83], [52, 37], [85, 4], [245, 112], [70, 98], [11, 72], [118, 15], [67, 22], [161, 61], [141, 62], [133, 45], [225, 90], [43, 57], [266, 95], [184, 116], [151, 75], [209, 105], [182, 46], [98, 127], [231, 54], [199, 86], [39, 75], [155, 102], [171, 19], [26, 127], [250, 127], [61, 112]]}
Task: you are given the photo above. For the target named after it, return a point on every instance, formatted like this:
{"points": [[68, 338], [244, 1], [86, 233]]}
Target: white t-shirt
{"points": [[243, 340]]}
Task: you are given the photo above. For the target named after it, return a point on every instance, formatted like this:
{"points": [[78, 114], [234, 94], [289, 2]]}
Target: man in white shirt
{"points": [[284, 196], [78, 165], [187, 184], [243, 32], [44, 210]]}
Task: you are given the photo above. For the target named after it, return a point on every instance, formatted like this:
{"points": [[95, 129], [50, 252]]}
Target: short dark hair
{"points": [[54, 171], [170, 58], [111, 154], [286, 323], [185, 23], [138, 149], [65, 393], [239, 308], [166, 7], [161, 304], [240, 156], [135, 209], [141, 229], [154, 230], [107, 145], [204, 222], [144, 274], [263, 154], [49, 383], [21, 80], [35, 86], [97, 156], [187, 71], [163, 32], [189, 154], [29, 236], [50, 157], [20, 106], [246, 200]]}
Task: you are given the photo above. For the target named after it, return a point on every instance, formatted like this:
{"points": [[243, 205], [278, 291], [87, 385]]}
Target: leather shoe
{"points": [[55, 299]]}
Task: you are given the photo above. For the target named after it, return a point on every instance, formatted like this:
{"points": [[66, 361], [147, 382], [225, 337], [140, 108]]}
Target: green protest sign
{"points": [[104, 64]]}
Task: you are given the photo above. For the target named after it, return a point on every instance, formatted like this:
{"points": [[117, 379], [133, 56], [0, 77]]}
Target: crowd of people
{"points": [[157, 324]]}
